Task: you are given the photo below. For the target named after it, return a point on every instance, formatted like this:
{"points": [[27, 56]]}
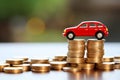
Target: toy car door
{"points": [[92, 29], [83, 29]]}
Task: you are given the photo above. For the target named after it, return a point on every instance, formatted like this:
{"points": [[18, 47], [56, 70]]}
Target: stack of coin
{"points": [[40, 68], [95, 51], [26, 67], [40, 61], [60, 58], [13, 70], [2, 65], [14, 61], [58, 65], [76, 50]]}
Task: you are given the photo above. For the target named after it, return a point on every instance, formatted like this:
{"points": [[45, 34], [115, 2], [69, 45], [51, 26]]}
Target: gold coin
{"points": [[58, 65], [77, 41], [26, 62], [76, 47], [105, 66], [24, 58], [96, 51], [88, 66], [81, 65], [73, 65], [20, 57], [94, 60], [38, 68], [26, 67], [13, 70], [2, 65], [76, 51], [14, 61], [117, 66], [75, 55], [75, 60], [117, 59], [40, 71], [71, 69], [56, 59], [95, 41], [40, 61], [108, 59], [60, 58], [92, 55], [95, 46]]}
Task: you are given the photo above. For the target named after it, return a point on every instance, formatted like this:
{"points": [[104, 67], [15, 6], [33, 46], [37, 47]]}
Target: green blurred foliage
{"points": [[42, 8]]}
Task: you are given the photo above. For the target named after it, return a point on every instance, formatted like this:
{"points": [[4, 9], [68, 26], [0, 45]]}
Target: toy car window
{"points": [[92, 25], [99, 25], [83, 25]]}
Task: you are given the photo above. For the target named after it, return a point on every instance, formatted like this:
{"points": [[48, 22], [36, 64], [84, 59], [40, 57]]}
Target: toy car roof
{"points": [[91, 22]]}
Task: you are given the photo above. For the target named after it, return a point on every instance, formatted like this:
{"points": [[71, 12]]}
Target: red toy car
{"points": [[87, 28]]}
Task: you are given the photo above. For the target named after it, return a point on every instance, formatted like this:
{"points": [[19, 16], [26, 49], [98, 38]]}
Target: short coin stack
{"points": [[117, 62], [76, 50], [3, 65], [60, 58], [108, 64], [95, 51], [38, 68], [15, 66], [39, 65], [58, 65]]}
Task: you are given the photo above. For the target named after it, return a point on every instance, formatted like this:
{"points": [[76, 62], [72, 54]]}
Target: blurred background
{"points": [[45, 20]]}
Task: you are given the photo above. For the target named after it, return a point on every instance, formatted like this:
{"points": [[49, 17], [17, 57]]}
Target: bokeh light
{"points": [[35, 25]]}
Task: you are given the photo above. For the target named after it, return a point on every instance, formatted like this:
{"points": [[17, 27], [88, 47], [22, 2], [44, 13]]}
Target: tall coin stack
{"points": [[76, 50], [95, 51]]}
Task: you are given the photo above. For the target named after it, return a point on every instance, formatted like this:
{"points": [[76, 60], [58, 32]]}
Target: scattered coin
{"points": [[13, 70], [26, 67], [105, 66], [40, 68], [110, 59], [60, 58], [71, 69], [58, 65], [2, 65], [117, 59], [40, 61], [117, 66], [14, 61]]}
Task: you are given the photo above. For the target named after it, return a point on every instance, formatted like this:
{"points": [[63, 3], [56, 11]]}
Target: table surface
{"points": [[49, 50]]}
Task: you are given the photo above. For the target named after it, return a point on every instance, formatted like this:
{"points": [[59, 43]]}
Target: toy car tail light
{"points": [[64, 30]]}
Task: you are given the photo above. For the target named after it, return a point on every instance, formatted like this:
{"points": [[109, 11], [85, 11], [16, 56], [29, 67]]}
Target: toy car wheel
{"points": [[99, 35], [70, 36]]}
